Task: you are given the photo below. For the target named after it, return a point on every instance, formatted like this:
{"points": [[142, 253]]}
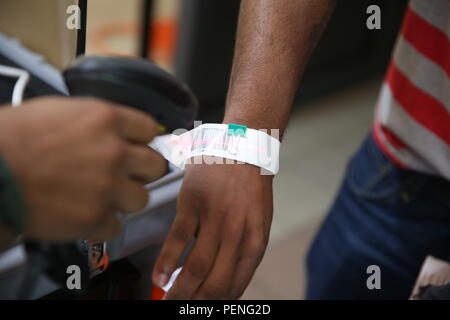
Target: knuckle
{"points": [[180, 234], [235, 230], [256, 246]]}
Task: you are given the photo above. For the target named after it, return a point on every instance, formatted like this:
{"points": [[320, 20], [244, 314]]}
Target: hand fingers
{"points": [[144, 164], [218, 284], [136, 126], [245, 269], [180, 235], [252, 253], [130, 196], [198, 264]]}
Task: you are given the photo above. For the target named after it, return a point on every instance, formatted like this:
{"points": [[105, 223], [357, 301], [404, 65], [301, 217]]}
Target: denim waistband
{"points": [[439, 186]]}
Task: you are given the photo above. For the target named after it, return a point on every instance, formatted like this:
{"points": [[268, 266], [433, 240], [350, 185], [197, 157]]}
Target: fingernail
{"points": [[161, 280]]}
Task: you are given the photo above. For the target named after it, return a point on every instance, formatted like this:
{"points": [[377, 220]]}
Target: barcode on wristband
{"points": [[210, 139]]}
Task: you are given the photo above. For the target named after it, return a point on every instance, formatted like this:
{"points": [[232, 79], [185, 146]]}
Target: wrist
{"points": [[216, 163], [232, 142], [262, 119], [252, 122]]}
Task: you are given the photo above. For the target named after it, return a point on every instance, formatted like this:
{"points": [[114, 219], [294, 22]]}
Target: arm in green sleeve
{"points": [[12, 207]]}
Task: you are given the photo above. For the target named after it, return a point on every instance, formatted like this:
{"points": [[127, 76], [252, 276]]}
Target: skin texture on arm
{"points": [[274, 43], [228, 208]]}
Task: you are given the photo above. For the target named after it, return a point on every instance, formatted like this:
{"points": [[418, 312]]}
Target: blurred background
{"points": [[193, 39], [333, 112]]}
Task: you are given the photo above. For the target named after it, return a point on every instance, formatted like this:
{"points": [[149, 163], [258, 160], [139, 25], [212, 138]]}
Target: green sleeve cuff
{"points": [[12, 204]]}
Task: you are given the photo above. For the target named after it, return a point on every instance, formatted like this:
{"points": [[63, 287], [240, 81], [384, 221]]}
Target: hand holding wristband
{"points": [[229, 141]]}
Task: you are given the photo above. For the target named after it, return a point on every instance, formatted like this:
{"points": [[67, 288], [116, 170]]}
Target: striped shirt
{"points": [[412, 120]]}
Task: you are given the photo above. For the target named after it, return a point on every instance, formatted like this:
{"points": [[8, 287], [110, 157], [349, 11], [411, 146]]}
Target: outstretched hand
{"points": [[228, 209]]}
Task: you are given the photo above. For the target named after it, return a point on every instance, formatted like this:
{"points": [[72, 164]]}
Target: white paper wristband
{"points": [[227, 141]]}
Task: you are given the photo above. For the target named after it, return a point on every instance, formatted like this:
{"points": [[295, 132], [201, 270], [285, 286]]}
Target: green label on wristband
{"points": [[237, 129]]}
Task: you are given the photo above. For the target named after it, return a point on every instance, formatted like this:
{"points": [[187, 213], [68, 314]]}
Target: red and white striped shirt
{"points": [[412, 121]]}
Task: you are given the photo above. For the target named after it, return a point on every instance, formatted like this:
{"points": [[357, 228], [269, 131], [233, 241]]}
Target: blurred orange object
{"points": [[162, 44], [157, 294], [163, 38]]}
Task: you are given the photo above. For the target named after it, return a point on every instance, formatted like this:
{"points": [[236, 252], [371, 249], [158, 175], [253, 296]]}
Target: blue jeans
{"points": [[382, 216]]}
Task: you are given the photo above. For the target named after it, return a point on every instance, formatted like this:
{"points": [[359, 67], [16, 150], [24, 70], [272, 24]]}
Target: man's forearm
{"points": [[274, 43]]}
